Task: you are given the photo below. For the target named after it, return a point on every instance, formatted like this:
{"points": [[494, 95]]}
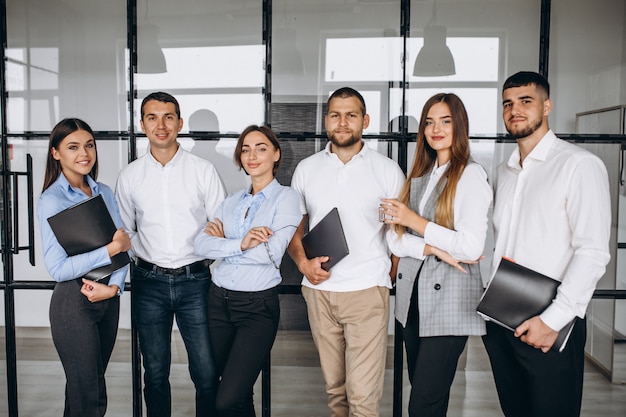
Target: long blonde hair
{"points": [[425, 158]]}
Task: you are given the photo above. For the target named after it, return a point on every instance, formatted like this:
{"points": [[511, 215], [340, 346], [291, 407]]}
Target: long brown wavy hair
{"points": [[425, 158], [62, 130]]}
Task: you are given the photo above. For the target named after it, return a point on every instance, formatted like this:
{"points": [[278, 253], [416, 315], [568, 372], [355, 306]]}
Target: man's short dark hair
{"points": [[163, 98], [524, 78], [346, 92]]}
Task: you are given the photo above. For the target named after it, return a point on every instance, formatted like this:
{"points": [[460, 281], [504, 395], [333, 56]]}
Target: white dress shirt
{"points": [[165, 207], [471, 204], [355, 188], [553, 216]]}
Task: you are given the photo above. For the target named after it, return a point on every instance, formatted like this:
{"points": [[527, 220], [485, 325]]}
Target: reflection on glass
{"points": [[235, 66], [229, 113], [481, 104], [66, 59]]}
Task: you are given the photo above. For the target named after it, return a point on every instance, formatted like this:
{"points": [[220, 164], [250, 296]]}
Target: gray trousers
{"points": [[83, 334]]}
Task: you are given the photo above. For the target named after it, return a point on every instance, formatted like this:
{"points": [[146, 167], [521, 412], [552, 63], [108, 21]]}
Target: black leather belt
{"points": [[194, 268]]}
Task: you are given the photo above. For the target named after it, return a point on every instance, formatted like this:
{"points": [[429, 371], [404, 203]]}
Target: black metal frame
{"points": [[8, 181]]}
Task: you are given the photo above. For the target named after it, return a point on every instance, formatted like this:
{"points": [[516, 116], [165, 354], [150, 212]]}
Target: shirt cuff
{"points": [[555, 318]]}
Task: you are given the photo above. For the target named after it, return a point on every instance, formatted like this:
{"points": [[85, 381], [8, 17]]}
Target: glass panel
{"points": [[487, 41], [587, 72], [320, 47], [66, 58], [601, 121], [211, 58]]}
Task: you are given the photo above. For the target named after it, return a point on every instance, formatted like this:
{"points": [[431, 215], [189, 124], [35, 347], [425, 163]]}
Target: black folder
{"points": [[517, 293], [87, 226], [326, 238]]}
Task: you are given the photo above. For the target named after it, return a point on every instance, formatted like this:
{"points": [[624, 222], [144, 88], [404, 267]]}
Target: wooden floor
{"points": [[297, 383]]}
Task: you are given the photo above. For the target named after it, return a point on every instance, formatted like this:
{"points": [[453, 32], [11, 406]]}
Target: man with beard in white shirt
{"points": [[551, 214]]}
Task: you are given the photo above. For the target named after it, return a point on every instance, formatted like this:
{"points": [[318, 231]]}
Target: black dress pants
{"points": [[243, 327], [83, 334], [431, 363], [533, 383]]}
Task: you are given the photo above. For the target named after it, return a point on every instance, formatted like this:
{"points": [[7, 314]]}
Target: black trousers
{"points": [[431, 363], [243, 327], [83, 334], [533, 383]]}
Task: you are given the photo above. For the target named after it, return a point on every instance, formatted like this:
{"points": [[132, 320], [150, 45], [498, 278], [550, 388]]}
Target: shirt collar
{"points": [[268, 192], [437, 170], [177, 156], [66, 187], [539, 152], [362, 153]]}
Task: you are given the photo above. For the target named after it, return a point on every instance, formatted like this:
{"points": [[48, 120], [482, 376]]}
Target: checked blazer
{"points": [[447, 298]]}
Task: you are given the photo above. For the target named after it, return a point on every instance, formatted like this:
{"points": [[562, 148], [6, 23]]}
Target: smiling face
{"points": [[161, 124], [345, 121], [76, 154], [439, 131], [525, 111], [258, 156]]}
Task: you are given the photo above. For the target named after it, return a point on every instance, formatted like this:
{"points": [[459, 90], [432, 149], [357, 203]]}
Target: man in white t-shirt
{"points": [[348, 306]]}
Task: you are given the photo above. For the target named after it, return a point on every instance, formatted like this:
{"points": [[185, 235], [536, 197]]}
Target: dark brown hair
{"points": [[347, 92], [62, 130], [163, 98], [524, 78], [265, 131]]}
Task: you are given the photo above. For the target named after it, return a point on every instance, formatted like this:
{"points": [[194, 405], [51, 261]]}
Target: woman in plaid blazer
{"points": [[438, 229]]}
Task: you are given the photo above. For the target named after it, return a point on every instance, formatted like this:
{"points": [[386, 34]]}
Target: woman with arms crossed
{"points": [[249, 235], [439, 229], [83, 313]]}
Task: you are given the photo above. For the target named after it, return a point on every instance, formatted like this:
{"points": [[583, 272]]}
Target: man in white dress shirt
{"points": [[166, 197], [348, 306], [551, 214]]}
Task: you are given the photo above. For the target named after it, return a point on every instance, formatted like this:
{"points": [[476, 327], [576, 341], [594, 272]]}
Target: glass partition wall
{"points": [[234, 63]]}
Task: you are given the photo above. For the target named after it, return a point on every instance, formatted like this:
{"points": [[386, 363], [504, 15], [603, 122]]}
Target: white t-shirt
{"points": [[355, 188]]}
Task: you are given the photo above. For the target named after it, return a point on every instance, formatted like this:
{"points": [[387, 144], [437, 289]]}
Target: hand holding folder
{"points": [[87, 226], [326, 238], [517, 293]]}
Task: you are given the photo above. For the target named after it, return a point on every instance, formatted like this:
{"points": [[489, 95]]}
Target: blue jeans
{"points": [[156, 299]]}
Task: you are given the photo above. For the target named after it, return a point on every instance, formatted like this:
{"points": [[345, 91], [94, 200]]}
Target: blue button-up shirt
{"points": [[59, 196], [276, 207]]}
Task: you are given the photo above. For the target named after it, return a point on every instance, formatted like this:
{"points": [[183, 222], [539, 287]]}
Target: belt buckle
{"points": [[173, 271]]}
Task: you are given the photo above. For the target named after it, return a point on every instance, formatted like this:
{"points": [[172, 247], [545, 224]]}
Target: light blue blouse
{"points": [[276, 207], [59, 196]]}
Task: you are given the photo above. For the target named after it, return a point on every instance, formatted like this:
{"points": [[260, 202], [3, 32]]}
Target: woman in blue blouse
{"points": [[83, 313], [249, 235]]}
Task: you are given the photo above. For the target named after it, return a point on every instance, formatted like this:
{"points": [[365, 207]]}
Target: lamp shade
{"points": [[435, 58], [150, 58]]}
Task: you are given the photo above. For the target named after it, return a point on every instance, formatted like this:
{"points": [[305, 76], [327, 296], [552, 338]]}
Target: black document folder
{"points": [[87, 226], [326, 238], [517, 293]]}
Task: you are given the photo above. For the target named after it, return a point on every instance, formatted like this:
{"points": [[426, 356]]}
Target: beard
{"points": [[525, 132], [346, 143]]}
